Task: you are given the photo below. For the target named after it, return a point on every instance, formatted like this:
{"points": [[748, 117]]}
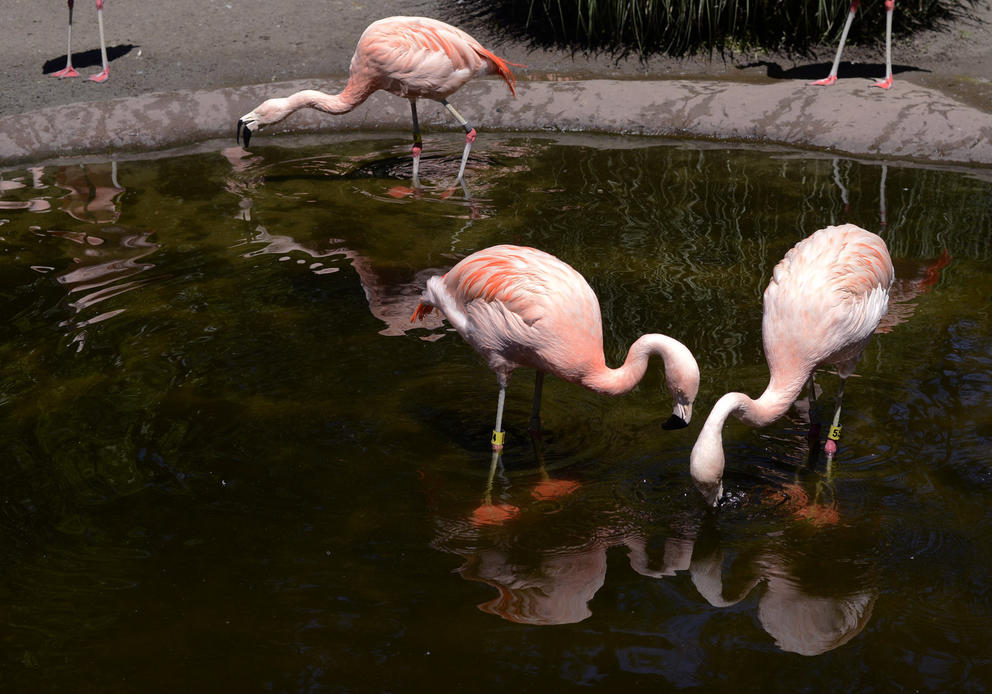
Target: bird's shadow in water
{"points": [[90, 58], [820, 70]]}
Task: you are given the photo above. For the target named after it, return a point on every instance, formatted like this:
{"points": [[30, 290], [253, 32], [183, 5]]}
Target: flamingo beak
{"points": [[681, 416], [242, 126]]}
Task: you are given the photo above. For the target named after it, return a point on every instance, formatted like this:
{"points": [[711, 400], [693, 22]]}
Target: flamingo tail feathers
{"points": [[421, 311], [501, 68]]}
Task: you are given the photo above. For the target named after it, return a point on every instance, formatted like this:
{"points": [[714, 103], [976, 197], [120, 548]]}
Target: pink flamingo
{"points": [[825, 299], [68, 70], [412, 57], [520, 306], [890, 6]]}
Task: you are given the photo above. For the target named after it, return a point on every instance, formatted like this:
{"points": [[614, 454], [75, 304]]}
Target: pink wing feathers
{"points": [[421, 57], [826, 297], [520, 306]]}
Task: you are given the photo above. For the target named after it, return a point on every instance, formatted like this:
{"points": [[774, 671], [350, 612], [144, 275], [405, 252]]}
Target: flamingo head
{"points": [[706, 464], [682, 378], [266, 113]]}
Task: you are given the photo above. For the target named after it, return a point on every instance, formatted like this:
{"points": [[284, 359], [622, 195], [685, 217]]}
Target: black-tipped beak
{"points": [[242, 127], [674, 422]]}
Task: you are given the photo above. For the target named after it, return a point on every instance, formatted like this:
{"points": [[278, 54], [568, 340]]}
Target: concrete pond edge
{"points": [[908, 122]]}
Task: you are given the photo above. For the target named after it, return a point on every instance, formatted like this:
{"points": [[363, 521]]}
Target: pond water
{"points": [[229, 462]]}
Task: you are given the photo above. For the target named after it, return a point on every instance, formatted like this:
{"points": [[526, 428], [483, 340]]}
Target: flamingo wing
{"points": [[422, 57], [827, 296]]}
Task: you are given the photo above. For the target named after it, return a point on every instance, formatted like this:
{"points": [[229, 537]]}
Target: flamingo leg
{"points": [[68, 70], [834, 436], [832, 77], [498, 434], [418, 143], [470, 136], [535, 414], [105, 72], [890, 6]]}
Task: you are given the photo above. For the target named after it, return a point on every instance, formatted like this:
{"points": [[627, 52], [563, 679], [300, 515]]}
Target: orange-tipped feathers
{"points": [[501, 68]]}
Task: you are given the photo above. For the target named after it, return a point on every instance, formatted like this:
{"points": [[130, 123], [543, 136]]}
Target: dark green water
{"points": [[229, 463]]}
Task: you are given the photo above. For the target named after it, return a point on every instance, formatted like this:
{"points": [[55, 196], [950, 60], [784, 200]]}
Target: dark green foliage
{"points": [[679, 27]]}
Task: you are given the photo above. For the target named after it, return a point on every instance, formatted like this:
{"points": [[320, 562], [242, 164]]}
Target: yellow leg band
{"points": [[498, 438], [834, 434]]}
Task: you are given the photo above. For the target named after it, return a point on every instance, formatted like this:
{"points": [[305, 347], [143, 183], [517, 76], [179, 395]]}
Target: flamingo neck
{"points": [[335, 104], [622, 380], [706, 462]]}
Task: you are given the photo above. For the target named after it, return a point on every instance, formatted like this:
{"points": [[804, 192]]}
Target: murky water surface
{"points": [[228, 462]]}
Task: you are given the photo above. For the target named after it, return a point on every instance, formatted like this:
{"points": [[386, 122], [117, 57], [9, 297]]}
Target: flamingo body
{"points": [[411, 57], [824, 301], [519, 306]]}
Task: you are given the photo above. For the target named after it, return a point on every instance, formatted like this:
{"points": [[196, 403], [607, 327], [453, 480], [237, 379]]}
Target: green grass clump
{"points": [[680, 27]]}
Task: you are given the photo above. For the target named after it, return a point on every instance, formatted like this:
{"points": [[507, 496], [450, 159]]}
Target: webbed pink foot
{"points": [[100, 76], [825, 82], [67, 71]]}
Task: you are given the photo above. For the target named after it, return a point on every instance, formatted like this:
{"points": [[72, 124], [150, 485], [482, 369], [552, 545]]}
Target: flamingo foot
{"points": [[830, 448], [471, 135], [67, 71], [102, 77], [825, 82], [494, 514], [883, 84], [547, 490]]}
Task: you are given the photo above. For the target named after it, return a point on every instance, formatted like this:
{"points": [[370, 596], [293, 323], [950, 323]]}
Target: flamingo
{"points": [[412, 57], [890, 6], [68, 70], [825, 299], [519, 306]]}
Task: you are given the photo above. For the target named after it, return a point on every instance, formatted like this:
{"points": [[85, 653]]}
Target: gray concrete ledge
{"points": [[906, 122]]}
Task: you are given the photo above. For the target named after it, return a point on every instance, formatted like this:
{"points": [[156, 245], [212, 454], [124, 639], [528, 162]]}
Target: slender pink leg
{"points": [[105, 72], [418, 143], [470, 136], [832, 77], [890, 5], [68, 70]]}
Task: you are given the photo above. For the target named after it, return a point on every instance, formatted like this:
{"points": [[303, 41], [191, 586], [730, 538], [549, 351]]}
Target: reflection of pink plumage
{"points": [[412, 57], [68, 70], [825, 299], [520, 306]]}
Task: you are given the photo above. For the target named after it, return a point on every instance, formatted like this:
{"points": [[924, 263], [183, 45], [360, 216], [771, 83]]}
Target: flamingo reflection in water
{"points": [[547, 566]]}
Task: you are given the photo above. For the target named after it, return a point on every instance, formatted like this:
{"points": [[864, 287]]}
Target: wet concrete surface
{"points": [[180, 81]]}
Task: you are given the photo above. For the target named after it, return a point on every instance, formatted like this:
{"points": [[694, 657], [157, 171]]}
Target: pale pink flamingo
{"points": [[68, 70], [825, 299], [890, 6], [411, 57], [519, 306]]}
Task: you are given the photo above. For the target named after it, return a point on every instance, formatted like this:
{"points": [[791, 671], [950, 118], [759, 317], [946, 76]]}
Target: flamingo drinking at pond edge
{"points": [[412, 57], [68, 70], [519, 306], [890, 6], [825, 299]]}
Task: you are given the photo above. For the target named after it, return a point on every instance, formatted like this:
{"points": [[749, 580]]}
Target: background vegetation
{"points": [[680, 27]]}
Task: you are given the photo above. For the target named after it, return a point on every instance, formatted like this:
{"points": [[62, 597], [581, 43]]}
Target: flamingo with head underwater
{"points": [[824, 301], [68, 70], [890, 6], [411, 57], [519, 306]]}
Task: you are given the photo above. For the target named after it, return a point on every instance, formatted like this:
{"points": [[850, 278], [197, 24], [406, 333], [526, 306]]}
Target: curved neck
{"points": [[335, 104], [622, 380], [706, 462]]}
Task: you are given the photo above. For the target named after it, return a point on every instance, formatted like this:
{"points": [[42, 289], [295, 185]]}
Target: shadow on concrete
{"points": [[90, 58], [820, 70]]}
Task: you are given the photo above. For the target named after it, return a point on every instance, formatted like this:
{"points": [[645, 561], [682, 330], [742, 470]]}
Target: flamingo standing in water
{"points": [[68, 70], [519, 306], [412, 57], [890, 6], [825, 299]]}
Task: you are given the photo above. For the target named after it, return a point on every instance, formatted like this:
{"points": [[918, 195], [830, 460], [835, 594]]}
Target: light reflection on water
{"points": [[220, 427]]}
